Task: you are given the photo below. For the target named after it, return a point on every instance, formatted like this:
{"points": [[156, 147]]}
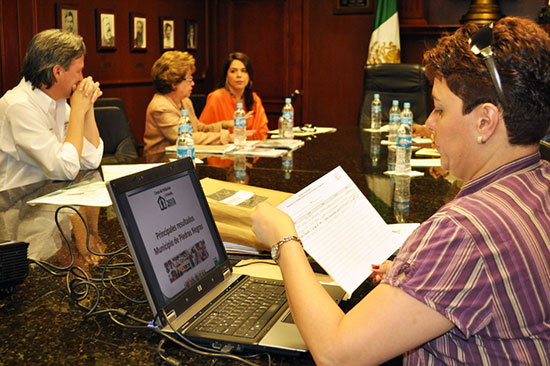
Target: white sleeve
{"points": [[91, 156], [36, 143]]}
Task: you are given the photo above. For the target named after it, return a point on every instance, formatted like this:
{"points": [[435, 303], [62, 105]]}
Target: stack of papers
{"points": [[383, 128], [267, 148], [305, 131], [285, 144], [428, 152]]}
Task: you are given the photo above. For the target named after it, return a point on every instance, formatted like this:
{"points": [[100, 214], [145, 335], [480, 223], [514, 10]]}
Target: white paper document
{"points": [[111, 172], [340, 228], [82, 194], [425, 163]]}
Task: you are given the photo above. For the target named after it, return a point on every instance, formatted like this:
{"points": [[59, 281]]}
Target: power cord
{"points": [[80, 285], [201, 350]]}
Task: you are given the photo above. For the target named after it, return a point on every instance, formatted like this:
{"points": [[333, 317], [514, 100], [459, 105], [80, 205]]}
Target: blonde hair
{"points": [[170, 69]]}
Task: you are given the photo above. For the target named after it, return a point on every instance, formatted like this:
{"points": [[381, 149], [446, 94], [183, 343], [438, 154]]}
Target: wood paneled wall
{"points": [[121, 72], [294, 44]]}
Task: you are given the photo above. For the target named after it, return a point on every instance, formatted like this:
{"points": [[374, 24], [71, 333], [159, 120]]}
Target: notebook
{"points": [[184, 268]]}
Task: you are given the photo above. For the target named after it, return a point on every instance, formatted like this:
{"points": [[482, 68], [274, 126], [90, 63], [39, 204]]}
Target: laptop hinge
{"points": [[226, 273], [171, 316]]}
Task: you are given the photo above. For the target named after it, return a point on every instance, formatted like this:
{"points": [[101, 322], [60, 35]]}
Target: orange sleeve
{"points": [[219, 107]]}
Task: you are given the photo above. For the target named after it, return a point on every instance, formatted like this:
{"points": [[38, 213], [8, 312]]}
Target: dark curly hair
{"points": [[522, 58], [248, 96]]}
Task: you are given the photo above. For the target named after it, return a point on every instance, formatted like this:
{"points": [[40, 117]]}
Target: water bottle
{"points": [[239, 128], [391, 157], [401, 198], [404, 141], [395, 120], [376, 112], [281, 126], [239, 169], [185, 145], [184, 118], [375, 138], [287, 164], [287, 124]]}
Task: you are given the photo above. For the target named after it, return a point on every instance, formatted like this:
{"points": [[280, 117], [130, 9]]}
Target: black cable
{"points": [[193, 347], [79, 284], [271, 263], [209, 354]]}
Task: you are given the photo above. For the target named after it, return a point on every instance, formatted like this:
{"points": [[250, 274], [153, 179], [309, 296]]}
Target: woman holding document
{"points": [[471, 285]]}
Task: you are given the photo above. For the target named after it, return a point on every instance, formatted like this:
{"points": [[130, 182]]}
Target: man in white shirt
{"points": [[41, 137]]}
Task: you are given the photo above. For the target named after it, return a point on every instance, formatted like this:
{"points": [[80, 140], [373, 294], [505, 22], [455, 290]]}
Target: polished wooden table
{"points": [[41, 324]]}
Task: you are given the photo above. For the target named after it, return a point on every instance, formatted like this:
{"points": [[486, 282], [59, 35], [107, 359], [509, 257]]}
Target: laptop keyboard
{"points": [[247, 310]]}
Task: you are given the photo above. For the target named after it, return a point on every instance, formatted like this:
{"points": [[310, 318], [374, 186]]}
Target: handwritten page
{"points": [[340, 228]]}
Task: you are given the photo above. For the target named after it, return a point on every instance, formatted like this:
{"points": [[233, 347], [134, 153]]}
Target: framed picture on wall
{"points": [[138, 32], [191, 34], [353, 6], [105, 29], [167, 33], [66, 17]]}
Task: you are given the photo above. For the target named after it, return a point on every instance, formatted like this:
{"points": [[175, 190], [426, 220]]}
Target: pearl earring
{"points": [[480, 140]]}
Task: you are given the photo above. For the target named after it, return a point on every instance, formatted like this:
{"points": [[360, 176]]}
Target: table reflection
{"points": [[98, 340]]}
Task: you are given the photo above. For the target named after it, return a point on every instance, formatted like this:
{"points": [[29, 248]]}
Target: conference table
{"points": [[42, 324]]}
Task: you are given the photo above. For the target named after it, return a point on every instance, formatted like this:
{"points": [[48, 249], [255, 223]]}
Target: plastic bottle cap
{"points": [[239, 105], [407, 105], [184, 112], [376, 96], [288, 100], [395, 102]]}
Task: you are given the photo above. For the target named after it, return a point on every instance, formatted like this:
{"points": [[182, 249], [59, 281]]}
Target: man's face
{"points": [[139, 26], [68, 79]]}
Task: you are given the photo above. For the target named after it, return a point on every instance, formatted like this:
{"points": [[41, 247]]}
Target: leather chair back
{"points": [[404, 82], [199, 101], [117, 135]]}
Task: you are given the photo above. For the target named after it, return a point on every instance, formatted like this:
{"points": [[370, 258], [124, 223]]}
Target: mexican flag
{"points": [[385, 46]]}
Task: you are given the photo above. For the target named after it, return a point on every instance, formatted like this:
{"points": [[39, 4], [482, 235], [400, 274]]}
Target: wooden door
{"points": [[270, 32]]}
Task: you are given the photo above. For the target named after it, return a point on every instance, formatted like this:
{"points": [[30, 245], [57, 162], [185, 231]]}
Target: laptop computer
{"points": [[184, 268]]}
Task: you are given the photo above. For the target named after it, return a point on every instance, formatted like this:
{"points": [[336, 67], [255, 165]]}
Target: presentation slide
{"points": [[174, 230]]}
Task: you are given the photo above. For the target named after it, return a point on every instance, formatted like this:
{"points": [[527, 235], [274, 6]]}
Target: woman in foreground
{"points": [[471, 286]]}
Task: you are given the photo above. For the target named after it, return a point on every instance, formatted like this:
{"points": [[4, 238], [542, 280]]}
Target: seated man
{"points": [[41, 137]]}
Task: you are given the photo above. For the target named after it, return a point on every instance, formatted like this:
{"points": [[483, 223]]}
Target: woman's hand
{"points": [[271, 225], [380, 271], [227, 124]]}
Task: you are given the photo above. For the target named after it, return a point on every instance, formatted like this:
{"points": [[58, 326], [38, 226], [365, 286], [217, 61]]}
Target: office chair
{"points": [[117, 135], [117, 102], [404, 82], [199, 101]]}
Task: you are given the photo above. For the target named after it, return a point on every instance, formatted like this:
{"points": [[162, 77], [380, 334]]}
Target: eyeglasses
{"points": [[189, 79], [482, 44]]}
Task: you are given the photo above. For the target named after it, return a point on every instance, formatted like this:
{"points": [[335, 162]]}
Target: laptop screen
{"points": [[170, 230]]}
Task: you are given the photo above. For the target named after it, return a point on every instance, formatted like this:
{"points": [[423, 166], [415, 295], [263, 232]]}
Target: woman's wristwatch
{"points": [[275, 248]]}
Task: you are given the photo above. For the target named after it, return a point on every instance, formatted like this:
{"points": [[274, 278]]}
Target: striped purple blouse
{"points": [[483, 261]]}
